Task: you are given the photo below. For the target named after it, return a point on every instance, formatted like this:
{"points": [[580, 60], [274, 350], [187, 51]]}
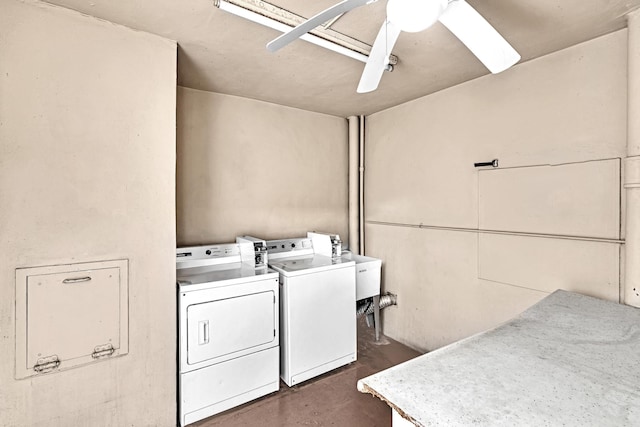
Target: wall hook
{"points": [[493, 163]]}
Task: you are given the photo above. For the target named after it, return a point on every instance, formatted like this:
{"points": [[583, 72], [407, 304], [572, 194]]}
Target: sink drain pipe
{"points": [[366, 306]]}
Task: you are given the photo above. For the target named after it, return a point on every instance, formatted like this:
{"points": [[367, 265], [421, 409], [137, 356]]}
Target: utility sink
{"points": [[367, 274]]}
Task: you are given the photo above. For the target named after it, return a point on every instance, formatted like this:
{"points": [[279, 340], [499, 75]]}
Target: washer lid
{"points": [[310, 264]]}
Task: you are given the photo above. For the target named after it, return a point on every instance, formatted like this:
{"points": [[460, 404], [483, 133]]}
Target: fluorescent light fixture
{"points": [[272, 23]]}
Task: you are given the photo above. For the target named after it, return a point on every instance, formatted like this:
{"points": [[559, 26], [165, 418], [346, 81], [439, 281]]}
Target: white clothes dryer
{"points": [[228, 329]]}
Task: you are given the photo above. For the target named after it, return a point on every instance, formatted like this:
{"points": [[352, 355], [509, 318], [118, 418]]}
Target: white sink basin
{"points": [[367, 274]]}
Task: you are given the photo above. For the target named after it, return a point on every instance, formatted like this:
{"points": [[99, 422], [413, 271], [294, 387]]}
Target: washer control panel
{"points": [[288, 245]]}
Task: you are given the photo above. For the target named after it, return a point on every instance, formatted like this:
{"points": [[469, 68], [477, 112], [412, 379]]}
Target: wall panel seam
{"points": [[504, 232]]}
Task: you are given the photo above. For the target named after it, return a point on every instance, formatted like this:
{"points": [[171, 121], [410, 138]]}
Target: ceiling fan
{"points": [[412, 16]]}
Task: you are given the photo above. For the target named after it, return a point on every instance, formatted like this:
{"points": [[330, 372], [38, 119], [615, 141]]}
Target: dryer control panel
{"points": [[198, 256]]}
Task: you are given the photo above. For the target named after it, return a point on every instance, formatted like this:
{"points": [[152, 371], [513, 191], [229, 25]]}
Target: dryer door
{"points": [[225, 326]]}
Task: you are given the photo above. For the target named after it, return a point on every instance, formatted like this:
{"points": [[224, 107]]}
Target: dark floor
{"points": [[329, 400]]}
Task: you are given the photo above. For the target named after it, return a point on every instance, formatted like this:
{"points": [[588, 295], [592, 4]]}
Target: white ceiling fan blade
{"points": [[379, 57], [479, 36], [311, 23]]}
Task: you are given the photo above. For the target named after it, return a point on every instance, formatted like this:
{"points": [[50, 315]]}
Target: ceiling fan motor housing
{"points": [[415, 15]]}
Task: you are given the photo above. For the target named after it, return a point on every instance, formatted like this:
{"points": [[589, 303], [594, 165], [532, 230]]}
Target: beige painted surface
{"points": [[575, 199], [632, 168], [435, 275], [546, 264], [569, 106], [250, 167], [633, 143], [87, 161], [223, 53], [566, 107]]}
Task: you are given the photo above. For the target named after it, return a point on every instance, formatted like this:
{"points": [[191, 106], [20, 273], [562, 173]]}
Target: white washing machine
{"points": [[228, 329], [317, 310], [367, 270]]}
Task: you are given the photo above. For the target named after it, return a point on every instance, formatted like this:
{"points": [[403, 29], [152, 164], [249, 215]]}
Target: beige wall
{"points": [[250, 167], [87, 170], [567, 107]]}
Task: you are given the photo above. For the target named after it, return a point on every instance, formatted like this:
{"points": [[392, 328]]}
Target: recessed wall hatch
{"points": [[70, 315]]}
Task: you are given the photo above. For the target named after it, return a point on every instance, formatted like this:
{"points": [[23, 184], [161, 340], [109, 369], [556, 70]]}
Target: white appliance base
{"points": [[319, 370], [216, 388]]}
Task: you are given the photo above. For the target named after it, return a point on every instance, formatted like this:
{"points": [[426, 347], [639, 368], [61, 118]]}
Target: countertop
{"points": [[568, 360]]}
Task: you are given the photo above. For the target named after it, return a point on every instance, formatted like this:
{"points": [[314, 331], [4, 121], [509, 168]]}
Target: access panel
{"points": [[70, 315], [574, 199]]}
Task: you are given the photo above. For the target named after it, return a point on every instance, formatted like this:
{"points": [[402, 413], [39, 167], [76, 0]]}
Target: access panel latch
{"points": [[46, 364], [103, 351]]}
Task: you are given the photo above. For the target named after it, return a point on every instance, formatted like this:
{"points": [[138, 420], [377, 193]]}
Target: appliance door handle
{"points": [[77, 279], [203, 332]]}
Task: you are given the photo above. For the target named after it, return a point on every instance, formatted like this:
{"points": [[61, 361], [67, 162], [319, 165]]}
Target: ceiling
{"points": [[223, 53]]}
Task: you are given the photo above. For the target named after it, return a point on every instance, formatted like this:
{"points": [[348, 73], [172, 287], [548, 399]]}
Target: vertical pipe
{"points": [[361, 192], [354, 211], [632, 166]]}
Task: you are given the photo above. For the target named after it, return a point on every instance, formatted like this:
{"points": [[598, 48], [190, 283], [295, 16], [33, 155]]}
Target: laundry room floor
{"points": [[329, 400]]}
